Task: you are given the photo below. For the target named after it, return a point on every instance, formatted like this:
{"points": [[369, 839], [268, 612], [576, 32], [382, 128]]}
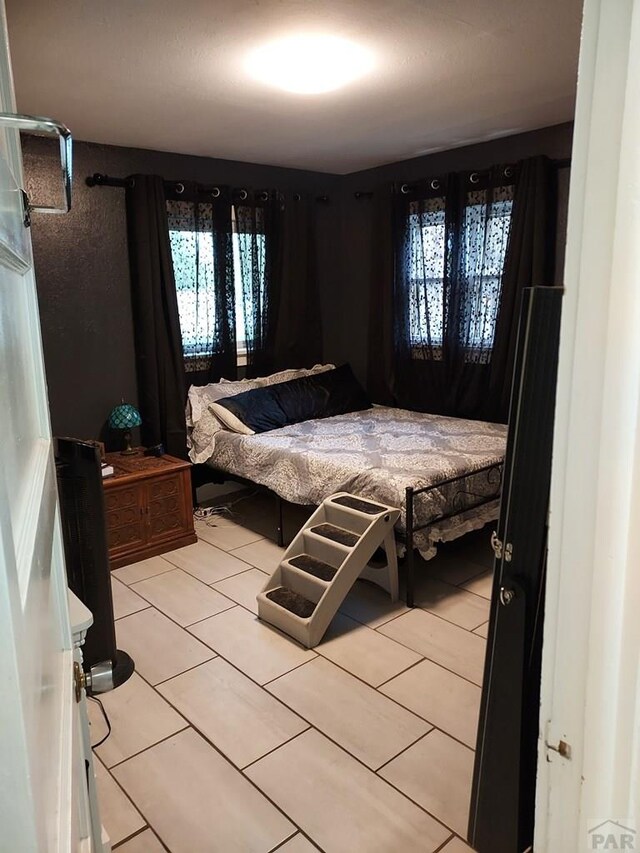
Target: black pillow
{"points": [[322, 395]]}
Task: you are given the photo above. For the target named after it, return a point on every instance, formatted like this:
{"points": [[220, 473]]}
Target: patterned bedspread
{"points": [[377, 454]]}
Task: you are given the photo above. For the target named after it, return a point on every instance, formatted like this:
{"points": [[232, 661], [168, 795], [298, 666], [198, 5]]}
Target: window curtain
{"points": [[462, 248], [258, 219], [530, 262], [161, 387], [200, 233], [298, 339]]}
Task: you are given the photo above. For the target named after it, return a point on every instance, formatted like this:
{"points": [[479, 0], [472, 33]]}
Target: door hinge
{"points": [[26, 210], [562, 748], [79, 680], [500, 549]]}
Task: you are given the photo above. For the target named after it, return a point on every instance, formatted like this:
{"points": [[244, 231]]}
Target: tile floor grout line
{"points": [[234, 575], [281, 844], [222, 754], [402, 672], [155, 686], [417, 608], [232, 604], [317, 654], [444, 844], [403, 750], [426, 657], [255, 683], [282, 675], [433, 725], [133, 613], [434, 613], [140, 580], [284, 742], [129, 837], [366, 767], [97, 759], [144, 749], [176, 569], [423, 657], [236, 547], [231, 764], [288, 672], [359, 678], [310, 726], [210, 583]]}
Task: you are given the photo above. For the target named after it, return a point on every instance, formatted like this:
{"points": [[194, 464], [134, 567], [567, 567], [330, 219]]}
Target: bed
{"points": [[443, 473]]}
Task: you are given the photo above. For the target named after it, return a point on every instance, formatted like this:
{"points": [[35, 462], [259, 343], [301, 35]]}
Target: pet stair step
{"points": [[336, 534], [329, 553], [360, 505], [292, 601], [313, 566]]}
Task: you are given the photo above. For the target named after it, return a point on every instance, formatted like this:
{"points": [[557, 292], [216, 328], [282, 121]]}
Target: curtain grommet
{"points": [[405, 188], [215, 192], [474, 177], [435, 184], [297, 197], [264, 196], [508, 172], [243, 195], [179, 188]]}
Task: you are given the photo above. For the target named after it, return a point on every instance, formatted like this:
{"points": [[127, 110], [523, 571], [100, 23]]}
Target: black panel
{"points": [[85, 542], [503, 796]]}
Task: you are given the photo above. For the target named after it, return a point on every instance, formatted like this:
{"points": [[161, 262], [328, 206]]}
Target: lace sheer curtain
{"points": [[452, 237], [202, 253], [257, 243]]}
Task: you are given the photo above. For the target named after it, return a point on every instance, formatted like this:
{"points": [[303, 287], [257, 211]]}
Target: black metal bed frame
{"points": [[201, 474]]}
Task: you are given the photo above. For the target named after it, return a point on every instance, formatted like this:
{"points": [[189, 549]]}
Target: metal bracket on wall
{"points": [[50, 127]]}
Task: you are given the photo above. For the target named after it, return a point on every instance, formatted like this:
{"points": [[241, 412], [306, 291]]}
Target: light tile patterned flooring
{"points": [[231, 737]]}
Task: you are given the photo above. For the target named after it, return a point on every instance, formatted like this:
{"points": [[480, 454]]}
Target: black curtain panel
{"points": [[298, 336], [161, 387], [464, 247], [381, 355], [258, 222], [530, 262], [200, 234]]}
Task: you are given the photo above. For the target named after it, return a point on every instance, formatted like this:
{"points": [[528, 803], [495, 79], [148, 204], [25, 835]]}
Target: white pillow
{"points": [[229, 420], [203, 424], [274, 378]]}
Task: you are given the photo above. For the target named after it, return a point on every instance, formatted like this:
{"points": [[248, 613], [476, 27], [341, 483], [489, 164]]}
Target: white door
{"points": [[43, 799], [588, 791]]}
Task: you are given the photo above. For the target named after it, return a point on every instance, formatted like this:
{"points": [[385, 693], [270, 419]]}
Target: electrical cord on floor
{"points": [[106, 719], [210, 513]]}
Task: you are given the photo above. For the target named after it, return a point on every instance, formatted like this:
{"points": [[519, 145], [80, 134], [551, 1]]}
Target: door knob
{"points": [[506, 595]]}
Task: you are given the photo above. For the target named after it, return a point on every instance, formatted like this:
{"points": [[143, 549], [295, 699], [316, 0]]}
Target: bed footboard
{"points": [[460, 505]]}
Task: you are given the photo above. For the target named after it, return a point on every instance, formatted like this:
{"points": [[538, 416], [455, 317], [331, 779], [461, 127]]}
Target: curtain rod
{"points": [[100, 180], [557, 164]]}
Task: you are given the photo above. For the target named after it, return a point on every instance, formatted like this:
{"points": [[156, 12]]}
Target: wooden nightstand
{"points": [[148, 506]]}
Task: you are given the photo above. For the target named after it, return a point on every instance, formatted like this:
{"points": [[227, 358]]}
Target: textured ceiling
{"points": [[168, 75]]}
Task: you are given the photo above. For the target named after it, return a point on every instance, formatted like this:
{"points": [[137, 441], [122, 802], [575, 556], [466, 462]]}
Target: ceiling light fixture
{"points": [[309, 64]]}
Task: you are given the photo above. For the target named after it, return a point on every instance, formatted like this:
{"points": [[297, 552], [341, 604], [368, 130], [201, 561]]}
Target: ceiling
{"points": [[168, 75]]}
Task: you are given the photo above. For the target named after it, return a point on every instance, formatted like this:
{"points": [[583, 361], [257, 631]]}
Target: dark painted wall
{"points": [[83, 272], [346, 339], [82, 268]]}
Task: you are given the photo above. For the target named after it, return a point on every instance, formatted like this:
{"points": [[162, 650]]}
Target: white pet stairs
{"points": [[327, 556]]}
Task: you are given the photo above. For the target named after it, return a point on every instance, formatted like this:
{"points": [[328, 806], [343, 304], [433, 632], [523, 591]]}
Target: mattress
{"points": [[377, 454]]}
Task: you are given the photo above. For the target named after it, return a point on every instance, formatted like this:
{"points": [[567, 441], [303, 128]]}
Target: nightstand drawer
{"points": [[168, 512]]}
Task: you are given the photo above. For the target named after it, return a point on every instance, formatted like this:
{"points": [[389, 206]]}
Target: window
{"points": [[191, 236], [426, 251], [475, 258]]}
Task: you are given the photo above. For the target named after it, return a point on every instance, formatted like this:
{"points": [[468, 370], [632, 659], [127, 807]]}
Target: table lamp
{"points": [[125, 417]]}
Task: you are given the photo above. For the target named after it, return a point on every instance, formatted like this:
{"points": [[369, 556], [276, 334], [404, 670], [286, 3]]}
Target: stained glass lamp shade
{"points": [[125, 417]]}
